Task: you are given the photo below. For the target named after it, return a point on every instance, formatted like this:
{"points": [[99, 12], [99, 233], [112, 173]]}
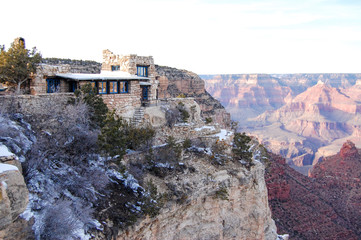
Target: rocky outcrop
{"points": [[318, 208], [13, 199], [175, 82], [219, 203], [76, 66]]}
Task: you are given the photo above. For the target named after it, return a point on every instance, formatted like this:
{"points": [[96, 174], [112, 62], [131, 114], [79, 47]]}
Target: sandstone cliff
{"points": [[175, 82], [13, 198], [310, 209], [219, 202]]}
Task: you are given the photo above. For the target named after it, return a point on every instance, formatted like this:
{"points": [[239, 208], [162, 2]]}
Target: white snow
{"points": [[4, 184], [7, 167], [223, 134], [211, 128], [4, 151]]}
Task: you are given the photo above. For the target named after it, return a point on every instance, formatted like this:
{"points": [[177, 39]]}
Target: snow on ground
{"points": [[211, 128], [7, 167], [4, 151], [224, 134]]}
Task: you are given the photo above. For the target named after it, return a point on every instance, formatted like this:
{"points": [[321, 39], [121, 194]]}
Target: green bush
{"points": [[209, 120], [183, 112], [222, 193], [97, 107], [241, 148], [187, 143], [112, 140]]}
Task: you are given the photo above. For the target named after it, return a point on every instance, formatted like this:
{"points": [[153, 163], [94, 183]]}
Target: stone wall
{"points": [[39, 85], [26, 103], [129, 63], [124, 104]]}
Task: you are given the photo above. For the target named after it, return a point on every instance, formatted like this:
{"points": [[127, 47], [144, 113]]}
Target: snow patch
{"points": [[4, 151], [211, 128], [7, 167], [223, 134]]}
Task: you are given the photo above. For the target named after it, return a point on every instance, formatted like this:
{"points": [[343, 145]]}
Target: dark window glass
{"points": [[115, 68], [53, 85]]}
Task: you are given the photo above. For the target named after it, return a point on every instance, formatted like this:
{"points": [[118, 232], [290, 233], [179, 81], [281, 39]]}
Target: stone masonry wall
{"points": [[39, 86], [129, 63], [26, 103], [124, 104]]}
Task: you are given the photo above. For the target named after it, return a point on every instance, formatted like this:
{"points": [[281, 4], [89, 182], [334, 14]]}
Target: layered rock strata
{"points": [[324, 207], [204, 213]]}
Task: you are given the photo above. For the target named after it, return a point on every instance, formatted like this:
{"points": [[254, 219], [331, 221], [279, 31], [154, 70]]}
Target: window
{"points": [[102, 87], [142, 71], [124, 87], [113, 87], [53, 85], [115, 67]]}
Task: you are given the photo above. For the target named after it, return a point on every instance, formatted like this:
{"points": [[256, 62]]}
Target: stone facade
{"points": [[38, 85], [129, 63]]}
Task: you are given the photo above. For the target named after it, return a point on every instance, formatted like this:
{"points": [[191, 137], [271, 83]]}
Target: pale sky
{"points": [[203, 36]]}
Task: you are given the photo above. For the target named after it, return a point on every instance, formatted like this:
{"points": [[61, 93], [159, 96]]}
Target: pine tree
{"points": [[112, 140], [241, 148], [17, 64]]}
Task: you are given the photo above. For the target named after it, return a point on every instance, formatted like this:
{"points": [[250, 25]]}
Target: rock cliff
{"points": [[13, 197], [322, 207], [219, 202], [175, 82]]}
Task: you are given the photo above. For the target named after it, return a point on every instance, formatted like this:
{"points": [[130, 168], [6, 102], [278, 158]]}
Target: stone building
{"points": [[125, 82]]}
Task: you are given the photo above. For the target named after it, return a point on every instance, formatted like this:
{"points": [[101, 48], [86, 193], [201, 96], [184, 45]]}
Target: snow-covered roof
{"points": [[104, 75]]}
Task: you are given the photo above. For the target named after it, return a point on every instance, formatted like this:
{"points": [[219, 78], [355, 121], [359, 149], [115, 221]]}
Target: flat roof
{"points": [[104, 75]]}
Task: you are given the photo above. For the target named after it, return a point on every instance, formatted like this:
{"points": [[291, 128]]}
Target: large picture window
{"points": [[142, 71]]}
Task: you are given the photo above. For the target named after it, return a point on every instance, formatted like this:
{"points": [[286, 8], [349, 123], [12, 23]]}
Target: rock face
{"points": [[205, 214], [13, 201], [318, 208], [303, 117], [175, 82]]}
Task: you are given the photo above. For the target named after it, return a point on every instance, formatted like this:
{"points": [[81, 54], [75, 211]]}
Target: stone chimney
{"points": [[19, 41]]}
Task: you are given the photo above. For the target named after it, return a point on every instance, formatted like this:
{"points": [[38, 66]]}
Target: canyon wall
{"points": [[303, 117], [240, 212], [325, 207]]}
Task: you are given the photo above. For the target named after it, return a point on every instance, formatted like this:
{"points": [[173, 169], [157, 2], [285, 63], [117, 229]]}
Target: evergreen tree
{"points": [[241, 148], [97, 107], [17, 64], [112, 140]]}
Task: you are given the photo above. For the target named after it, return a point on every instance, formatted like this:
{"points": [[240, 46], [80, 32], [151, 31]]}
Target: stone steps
{"points": [[138, 116]]}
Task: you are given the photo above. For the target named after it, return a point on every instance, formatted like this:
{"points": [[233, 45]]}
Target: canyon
{"points": [[303, 117], [325, 205]]}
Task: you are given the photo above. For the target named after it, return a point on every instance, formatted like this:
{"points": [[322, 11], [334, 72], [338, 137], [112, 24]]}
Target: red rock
{"points": [[319, 207]]}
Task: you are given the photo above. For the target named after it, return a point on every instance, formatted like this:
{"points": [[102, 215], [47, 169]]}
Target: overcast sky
{"points": [[203, 36]]}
